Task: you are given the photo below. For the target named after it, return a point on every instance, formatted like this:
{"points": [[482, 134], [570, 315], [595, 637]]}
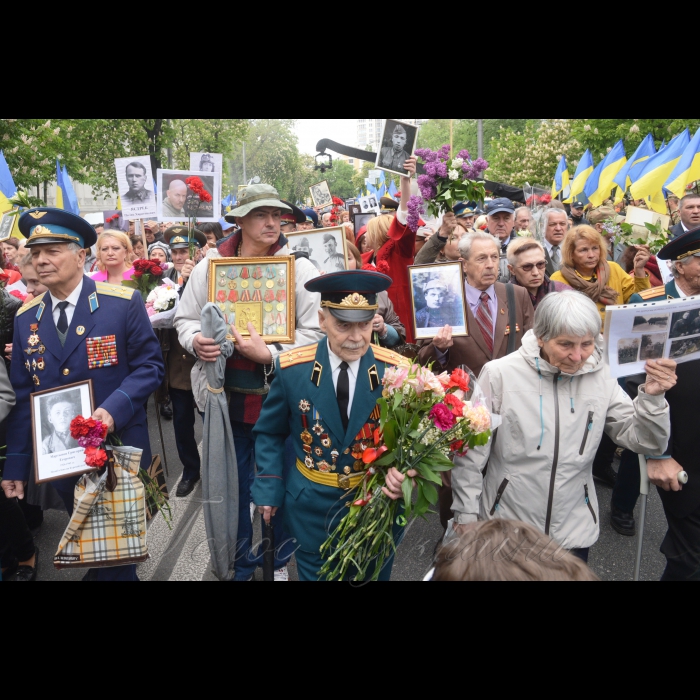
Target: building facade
{"points": [[369, 131]]}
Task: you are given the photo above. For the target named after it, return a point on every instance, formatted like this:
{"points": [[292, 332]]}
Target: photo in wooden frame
{"points": [[398, 144], [438, 299], [56, 454], [321, 194], [326, 248], [260, 291]]}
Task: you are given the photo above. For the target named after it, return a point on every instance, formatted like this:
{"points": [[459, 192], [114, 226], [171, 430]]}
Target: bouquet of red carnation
{"points": [[148, 275], [90, 434], [335, 212], [197, 194]]}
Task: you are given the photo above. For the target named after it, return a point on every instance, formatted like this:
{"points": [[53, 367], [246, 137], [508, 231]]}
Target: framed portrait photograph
{"points": [[56, 454], [260, 291], [135, 185], [325, 247], [321, 194], [207, 162], [397, 144], [361, 220], [354, 210], [7, 222], [177, 202], [438, 299]]}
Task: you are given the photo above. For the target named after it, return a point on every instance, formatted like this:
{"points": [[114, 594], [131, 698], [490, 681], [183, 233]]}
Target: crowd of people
{"points": [[299, 413]]}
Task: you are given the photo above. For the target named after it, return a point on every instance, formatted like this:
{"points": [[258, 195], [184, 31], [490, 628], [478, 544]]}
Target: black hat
{"points": [[49, 225], [298, 215], [681, 247], [177, 237], [389, 203], [578, 204], [351, 296]]}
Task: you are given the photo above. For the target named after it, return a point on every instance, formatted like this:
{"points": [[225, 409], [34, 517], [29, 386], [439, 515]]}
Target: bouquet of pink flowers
{"points": [[449, 180], [426, 420]]}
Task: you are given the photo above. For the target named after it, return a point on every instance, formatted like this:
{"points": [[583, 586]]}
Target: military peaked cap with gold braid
{"points": [[45, 225], [682, 246]]}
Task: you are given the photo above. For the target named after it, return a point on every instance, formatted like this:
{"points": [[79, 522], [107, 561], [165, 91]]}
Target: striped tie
{"points": [[485, 321]]}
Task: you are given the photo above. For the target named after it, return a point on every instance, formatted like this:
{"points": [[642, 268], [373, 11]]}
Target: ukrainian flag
{"points": [[687, 170], [644, 151], [561, 177], [7, 185], [59, 186], [69, 193], [611, 166], [583, 172], [657, 170]]}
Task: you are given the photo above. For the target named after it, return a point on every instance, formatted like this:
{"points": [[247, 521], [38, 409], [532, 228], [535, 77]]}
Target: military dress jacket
{"points": [[302, 403], [110, 340], [682, 400]]}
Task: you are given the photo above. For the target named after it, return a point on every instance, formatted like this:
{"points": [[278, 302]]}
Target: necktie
{"points": [[556, 256], [485, 321], [62, 325], [343, 393]]}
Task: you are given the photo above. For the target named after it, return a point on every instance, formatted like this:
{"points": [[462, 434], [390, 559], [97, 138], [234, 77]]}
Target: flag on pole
{"points": [[59, 186], [598, 192], [644, 151], [687, 170], [69, 193], [561, 178], [657, 170], [393, 189], [583, 172], [7, 184]]}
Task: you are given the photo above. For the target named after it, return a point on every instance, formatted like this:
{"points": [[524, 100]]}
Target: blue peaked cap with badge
{"points": [[44, 225], [681, 247], [311, 216], [351, 296]]}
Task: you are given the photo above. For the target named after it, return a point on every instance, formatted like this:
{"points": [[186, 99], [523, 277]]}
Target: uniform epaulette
{"points": [[388, 356], [654, 292], [114, 290], [298, 356], [34, 302]]}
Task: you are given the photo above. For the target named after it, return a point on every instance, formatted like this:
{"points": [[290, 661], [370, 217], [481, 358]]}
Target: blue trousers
{"points": [[246, 559], [183, 425]]}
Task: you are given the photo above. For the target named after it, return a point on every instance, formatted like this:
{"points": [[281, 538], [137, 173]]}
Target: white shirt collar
{"points": [[72, 298], [353, 367]]}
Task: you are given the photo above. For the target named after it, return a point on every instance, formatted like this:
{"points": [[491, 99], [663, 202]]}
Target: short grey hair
{"points": [[566, 313], [548, 213], [465, 243], [673, 265], [527, 209]]}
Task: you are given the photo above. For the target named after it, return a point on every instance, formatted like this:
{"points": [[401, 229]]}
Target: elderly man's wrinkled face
{"points": [[399, 141], [136, 178], [557, 226], [177, 194], [180, 256], [349, 341], [481, 268], [567, 352], [326, 221], [61, 415], [435, 297], [501, 225], [150, 236], [523, 221], [56, 264], [306, 226], [690, 275]]}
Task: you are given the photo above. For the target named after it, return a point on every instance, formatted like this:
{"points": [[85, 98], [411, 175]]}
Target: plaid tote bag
{"points": [[108, 525]]}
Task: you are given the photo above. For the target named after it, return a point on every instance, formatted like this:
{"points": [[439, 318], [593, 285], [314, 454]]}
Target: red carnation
{"points": [[454, 404], [460, 379], [338, 202], [383, 267], [95, 457], [80, 427]]}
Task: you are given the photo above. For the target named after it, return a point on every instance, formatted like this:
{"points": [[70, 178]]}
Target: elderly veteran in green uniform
{"points": [[78, 330], [179, 364], [681, 546], [325, 397]]}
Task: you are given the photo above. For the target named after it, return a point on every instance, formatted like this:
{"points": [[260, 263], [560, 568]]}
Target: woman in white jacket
{"points": [[555, 398]]}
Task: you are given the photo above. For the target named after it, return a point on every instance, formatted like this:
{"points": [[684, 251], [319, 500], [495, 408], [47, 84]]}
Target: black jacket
{"points": [[677, 230]]}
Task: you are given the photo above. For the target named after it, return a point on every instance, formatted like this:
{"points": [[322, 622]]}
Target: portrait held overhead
{"points": [[357, 350]]}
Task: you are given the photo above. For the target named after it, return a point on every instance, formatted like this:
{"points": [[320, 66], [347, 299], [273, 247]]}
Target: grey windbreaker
{"points": [[540, 460]]}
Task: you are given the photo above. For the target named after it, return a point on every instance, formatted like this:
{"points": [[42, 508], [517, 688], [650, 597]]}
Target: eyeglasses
{"points": [[528, 268]]}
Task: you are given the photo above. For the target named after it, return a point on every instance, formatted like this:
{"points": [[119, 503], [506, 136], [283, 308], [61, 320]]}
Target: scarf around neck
{"points": [[596, 289]]}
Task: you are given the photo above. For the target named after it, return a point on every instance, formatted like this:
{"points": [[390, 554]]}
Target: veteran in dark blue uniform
{"points": [[78, 330], [325, 397], [681, 546]]}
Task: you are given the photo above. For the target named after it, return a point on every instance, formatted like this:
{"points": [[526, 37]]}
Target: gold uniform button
{"points": [[66, 372]]}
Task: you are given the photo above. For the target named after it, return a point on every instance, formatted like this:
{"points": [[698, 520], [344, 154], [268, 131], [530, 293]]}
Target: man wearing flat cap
{"points": [[681, 546], [325, 398], [249, 372], [335, 262], [63, 336]]}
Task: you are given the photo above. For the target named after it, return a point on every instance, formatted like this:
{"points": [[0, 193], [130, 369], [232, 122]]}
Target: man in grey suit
{"points": [[556, 226]]}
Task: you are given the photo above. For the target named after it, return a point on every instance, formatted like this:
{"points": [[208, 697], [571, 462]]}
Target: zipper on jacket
{"points": [[555, 458], [589, 427], [588, 503], [499, 495]]}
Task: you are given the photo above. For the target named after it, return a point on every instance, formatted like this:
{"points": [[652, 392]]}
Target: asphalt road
{"points": [[182, 554]]}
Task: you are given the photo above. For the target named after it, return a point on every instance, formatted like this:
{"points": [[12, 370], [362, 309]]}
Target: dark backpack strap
{"points": [[512, 338]]}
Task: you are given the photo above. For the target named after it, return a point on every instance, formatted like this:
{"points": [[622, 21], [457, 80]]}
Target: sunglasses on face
{"points": [[529, 267]]}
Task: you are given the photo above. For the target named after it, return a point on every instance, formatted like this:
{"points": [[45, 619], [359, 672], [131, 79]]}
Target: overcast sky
{"points": [[311, 131]]}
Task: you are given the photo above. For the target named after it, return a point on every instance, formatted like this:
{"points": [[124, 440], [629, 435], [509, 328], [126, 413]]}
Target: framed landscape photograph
{"points": [[438, 299], [397, 144], [321, 194], [325, 247], [177, 202], [260, 291], [56, 454]]}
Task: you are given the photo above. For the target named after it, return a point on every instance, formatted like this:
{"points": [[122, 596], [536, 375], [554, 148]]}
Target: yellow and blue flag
{"points": [[687, 170], [623, 180], [393, 190], [59, 186], [583, 172], [69, 193], [7, 184], [561, 178], [656, 172], [598, 191]]}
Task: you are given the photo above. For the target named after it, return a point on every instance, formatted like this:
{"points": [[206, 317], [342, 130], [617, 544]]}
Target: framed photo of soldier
{"points": [[321, 194], [438, 299], [135, 186], [56, 454], [326, 248], [363, 220], [397, 144], [260, 291], [354, 210], [7, 222], [177, 202], [207, 162]]}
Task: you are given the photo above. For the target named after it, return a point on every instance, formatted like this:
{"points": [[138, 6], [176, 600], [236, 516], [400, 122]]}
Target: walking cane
{"points": [[269, 554], [162, 442]]}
